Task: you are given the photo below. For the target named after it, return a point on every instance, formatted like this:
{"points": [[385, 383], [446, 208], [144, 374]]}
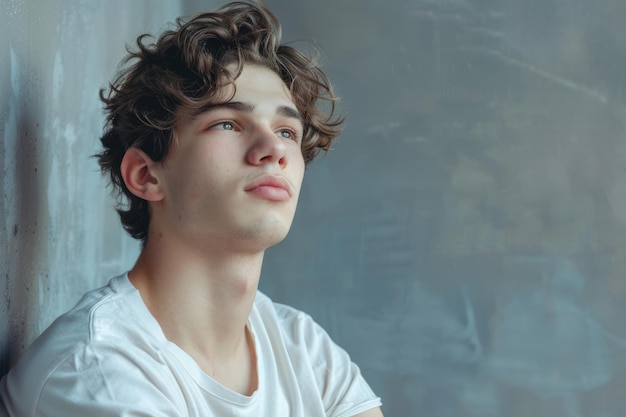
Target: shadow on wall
{"points": [[22, 211], [59, 235]]}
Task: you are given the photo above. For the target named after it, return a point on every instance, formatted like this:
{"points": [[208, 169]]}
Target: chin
{"points": [[273, 237], [266, 233], [277, 240]]}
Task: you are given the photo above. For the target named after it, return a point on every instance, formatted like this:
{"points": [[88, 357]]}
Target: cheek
{"points": [[298, 167], [208, 170], [185, 174], [296, 178], [202, 160], [218, 153]]}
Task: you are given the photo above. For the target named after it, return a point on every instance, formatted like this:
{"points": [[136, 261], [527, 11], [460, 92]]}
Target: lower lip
{"points": [[270, 193]]}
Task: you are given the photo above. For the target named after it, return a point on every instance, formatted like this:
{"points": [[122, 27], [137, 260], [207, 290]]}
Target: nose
{"points": [[267, 148]]}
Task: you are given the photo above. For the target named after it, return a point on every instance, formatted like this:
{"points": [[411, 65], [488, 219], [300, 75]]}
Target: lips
{"points": [[270, 187]]}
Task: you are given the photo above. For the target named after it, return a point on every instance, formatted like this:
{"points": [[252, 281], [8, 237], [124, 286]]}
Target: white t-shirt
{"points": [[109, 357]]}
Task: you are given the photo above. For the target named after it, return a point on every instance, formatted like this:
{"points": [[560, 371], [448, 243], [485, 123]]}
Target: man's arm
{"points": [[374, 412]]}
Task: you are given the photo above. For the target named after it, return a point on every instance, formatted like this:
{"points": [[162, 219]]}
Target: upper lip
{"points": [[268, 180]]}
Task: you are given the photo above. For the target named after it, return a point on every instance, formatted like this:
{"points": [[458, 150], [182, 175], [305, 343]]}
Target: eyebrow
{"points": [[290, 112], [244, 107]]}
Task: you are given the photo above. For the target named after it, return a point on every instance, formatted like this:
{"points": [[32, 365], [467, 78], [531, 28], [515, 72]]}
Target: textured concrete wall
{"points": [[58, 233]]}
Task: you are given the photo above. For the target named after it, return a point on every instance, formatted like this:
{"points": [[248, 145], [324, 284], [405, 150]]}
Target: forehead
{"points": [[258, 80], [255, 87]]}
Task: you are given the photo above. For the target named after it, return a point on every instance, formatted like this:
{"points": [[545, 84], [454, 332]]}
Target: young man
{"points": [[209, 131]]}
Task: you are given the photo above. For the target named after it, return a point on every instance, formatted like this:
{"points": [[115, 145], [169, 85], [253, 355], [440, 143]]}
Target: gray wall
{"points": [[465, 240], [58, 232]]}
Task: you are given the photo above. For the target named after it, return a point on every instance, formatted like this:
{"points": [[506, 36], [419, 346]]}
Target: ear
{"points": [[139, 175]]}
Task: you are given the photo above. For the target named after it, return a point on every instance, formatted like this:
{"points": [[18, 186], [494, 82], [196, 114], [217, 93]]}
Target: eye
{"points": [[224, 126], [285, 133], [288, 134]]}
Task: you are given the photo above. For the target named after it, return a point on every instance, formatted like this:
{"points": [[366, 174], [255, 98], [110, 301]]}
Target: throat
{"points": [[238, 373]]}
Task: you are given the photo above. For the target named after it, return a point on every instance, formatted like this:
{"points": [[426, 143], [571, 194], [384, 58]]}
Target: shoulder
{"points": [[314, 356], [303, 338], [283, 312], [294, 324], [78, 347], [69, 333]]}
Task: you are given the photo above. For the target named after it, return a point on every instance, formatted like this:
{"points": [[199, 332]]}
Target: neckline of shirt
{"points": [[204, 381]]}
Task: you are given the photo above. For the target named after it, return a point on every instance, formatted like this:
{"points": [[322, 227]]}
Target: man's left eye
{"points": [[288, 134], [226, 125]]}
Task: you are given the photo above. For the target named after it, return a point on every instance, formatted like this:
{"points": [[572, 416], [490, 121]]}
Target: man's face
{"points": [[234, 172]]}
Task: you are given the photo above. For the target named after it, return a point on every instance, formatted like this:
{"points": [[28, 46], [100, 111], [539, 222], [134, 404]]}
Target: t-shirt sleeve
{"points": [[103, 382], [342, 387]]}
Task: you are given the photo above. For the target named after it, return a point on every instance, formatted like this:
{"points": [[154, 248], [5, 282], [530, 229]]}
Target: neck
{"points": [[202, 300]]}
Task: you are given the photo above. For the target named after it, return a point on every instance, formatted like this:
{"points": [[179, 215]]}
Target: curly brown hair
{"points": [[181, 71]]}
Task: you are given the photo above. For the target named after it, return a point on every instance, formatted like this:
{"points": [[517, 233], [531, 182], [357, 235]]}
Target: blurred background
{"points": [[464, 241]]}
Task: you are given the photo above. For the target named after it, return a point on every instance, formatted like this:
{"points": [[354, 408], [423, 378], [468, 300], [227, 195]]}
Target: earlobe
{"points": [[139, 175]]}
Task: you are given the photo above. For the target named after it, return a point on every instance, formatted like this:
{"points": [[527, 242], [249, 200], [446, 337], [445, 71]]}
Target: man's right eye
{"points": [[224, 126]]}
